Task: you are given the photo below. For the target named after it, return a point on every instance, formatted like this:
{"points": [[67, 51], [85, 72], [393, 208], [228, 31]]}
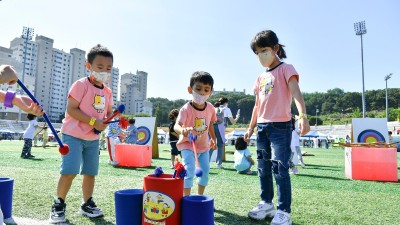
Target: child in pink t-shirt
{"points": [[274, 90], [89, 103], [197, 117]]}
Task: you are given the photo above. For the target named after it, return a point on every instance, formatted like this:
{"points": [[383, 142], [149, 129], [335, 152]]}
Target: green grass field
{"points": [[321, 192]]}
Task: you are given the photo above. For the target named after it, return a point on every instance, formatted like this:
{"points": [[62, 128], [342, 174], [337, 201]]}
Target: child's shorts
{"points": [[174, 149], [83, 156], [190, 164]]}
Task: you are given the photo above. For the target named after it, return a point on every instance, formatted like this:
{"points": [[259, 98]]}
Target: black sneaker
{"points": [[57, 214], [90, 209], [30, 156]]}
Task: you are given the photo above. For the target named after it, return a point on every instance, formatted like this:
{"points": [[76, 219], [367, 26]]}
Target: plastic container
{"points": [[6, 195], [130, 155], [162, 200], [198, 210], [128, 207], [379, 164]]}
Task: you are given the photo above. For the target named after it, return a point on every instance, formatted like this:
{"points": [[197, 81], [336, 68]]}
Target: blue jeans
{"points": [[273, 155], [220, 146]]}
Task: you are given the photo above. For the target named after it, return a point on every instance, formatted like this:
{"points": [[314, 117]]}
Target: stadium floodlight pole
{"points": [[27, 34], [360, 29], [316, 117], [387, 77]]}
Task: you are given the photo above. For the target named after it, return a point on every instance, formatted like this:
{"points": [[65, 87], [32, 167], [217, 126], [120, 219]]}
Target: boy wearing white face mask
{"points": [[89, 103], [197, 117]]}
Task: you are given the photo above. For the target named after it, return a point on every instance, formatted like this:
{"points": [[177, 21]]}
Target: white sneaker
{"points": [[262, 210], [113, 163], [303, 165], [281, 218], [220, 167]]}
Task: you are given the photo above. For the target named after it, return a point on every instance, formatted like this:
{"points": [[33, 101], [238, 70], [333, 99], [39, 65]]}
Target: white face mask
{"points": [[266, 58], [198, 98], [100, 76]]}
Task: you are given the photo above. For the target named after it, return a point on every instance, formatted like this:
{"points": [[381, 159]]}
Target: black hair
{"points": [[202, 77], [240, 143], [132, 121], [223, 100], [217, 104], [390, 132], [30, 116], [99, 50], [173, 114], [267, 38]]}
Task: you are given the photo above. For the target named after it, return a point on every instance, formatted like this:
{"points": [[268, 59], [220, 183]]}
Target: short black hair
{"points": [[202, 77], [240, 143], [30, 116], [223, 100], [173, 114], [132, 121], [99, 50]]}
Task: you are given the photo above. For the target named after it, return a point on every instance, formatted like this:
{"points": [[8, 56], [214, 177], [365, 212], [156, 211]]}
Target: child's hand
{"points": [[213, 146], [186, 131], [27, 105], [8, 74], [99, 125]]}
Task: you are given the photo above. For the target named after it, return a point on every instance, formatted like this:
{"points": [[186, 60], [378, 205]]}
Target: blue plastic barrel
{"points": [[198, 210], [128, 207], [6, 193]]}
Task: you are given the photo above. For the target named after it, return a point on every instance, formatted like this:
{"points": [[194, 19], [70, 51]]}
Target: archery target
{"points": [[143, 135], [369, 136]]}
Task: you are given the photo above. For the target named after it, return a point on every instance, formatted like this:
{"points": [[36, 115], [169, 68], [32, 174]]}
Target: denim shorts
{"points": [[190, 165], [83, 156]]}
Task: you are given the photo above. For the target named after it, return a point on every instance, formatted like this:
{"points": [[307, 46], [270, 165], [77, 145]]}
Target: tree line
{"points": [[332, 105]]}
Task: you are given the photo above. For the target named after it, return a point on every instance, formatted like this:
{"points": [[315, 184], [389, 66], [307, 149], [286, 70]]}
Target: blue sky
{"points": [[170, 39]]}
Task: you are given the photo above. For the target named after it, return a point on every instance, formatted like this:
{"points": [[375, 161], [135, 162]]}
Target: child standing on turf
{"points": [[28, 137], [89, 103], [131, 131], [196, 118], [274, 90], [111, 136], [242, 155], [173, 136]]}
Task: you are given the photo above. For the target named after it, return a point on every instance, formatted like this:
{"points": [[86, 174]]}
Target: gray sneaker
{"points": [[90, 209], [57, 214], [262, 211]]}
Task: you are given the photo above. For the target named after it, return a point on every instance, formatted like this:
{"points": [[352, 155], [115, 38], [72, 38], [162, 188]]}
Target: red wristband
{"points": [[9, 98]]}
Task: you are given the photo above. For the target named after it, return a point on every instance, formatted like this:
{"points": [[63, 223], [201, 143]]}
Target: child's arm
{"points": [[181, 129], [24, 103], [250, 159], [293, 84], [74, 111], [212, 134]]}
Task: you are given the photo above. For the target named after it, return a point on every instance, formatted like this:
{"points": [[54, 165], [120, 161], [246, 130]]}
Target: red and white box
{"points": [[133, 155], [379, 164]]}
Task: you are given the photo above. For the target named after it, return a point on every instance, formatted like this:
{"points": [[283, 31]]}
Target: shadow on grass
{"points": [[319, 166], [322, 177], [135, 168], [101, 221], [228, 218], [34, 159]]}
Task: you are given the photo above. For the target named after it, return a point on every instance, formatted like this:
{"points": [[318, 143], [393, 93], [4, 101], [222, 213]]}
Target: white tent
{"points": [[162, 135]]}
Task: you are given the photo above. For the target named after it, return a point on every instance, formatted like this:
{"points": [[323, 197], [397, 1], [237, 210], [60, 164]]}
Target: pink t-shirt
{"points": [[93, 101], [274, 96], [200, 121]]}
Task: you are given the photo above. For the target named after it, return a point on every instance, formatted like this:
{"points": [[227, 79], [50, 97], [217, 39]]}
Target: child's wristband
{"points": [[9, 98], [92, 121]]}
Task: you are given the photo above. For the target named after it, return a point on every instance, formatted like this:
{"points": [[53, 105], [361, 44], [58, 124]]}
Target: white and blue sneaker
{"points": [[262, 211], [57, 214], [281, 218]]}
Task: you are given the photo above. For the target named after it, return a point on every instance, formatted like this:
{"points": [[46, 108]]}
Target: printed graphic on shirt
{"points": [[200, 125], [99, 103], [266, 85]]}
